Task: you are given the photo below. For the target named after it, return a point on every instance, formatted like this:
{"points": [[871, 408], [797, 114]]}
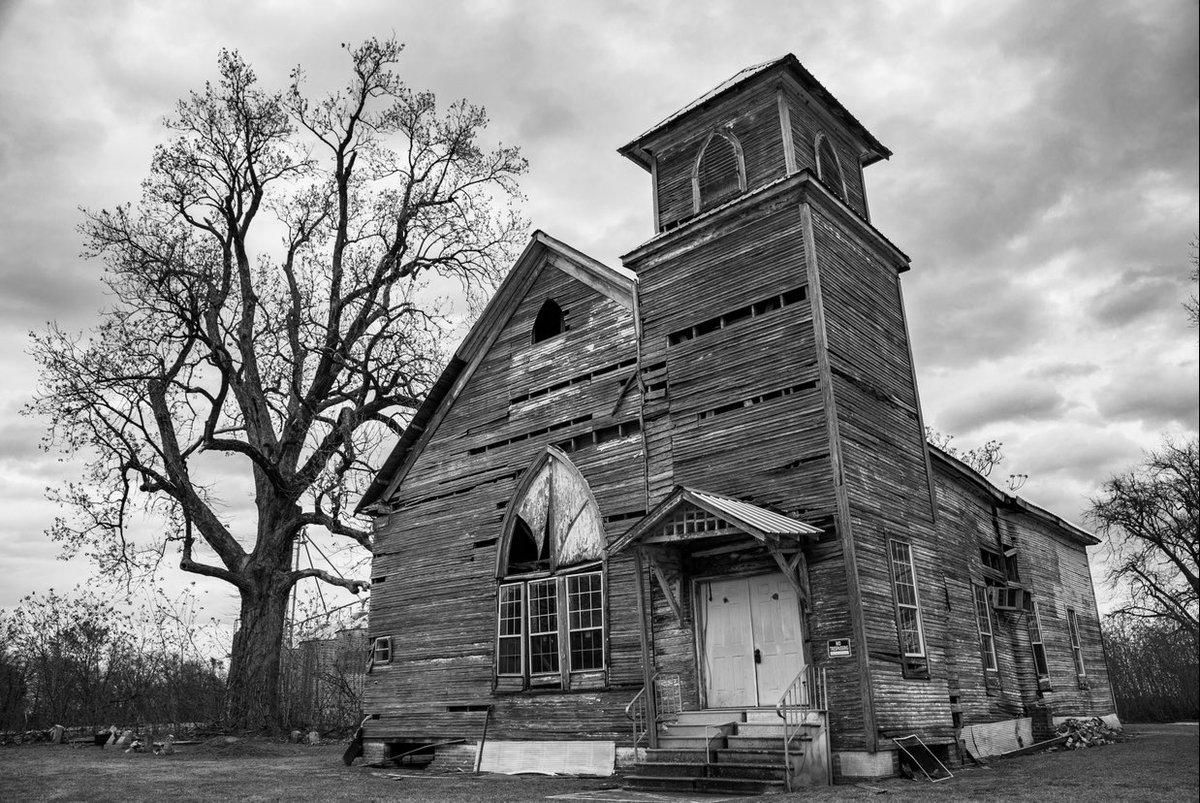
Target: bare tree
{"points": [[1151, 515], [290, 366], [1192, 305], [982, 459]]}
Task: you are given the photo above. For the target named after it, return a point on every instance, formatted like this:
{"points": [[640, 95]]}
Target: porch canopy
{"points": [[708, 523]]}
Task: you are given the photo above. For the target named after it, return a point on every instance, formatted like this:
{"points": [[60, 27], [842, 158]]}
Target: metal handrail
{"points": [[806, 693], [668, 703]]}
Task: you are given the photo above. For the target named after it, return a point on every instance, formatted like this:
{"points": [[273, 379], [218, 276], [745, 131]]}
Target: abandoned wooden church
{"points": [[687, 504]]}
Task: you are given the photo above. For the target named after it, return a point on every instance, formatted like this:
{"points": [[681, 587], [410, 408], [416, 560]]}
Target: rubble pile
{"points": [[1082, 733]]}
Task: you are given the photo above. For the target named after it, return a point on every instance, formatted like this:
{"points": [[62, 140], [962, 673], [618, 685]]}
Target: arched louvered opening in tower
{"points": [[829, 169], [549, 321], [719, 173]]}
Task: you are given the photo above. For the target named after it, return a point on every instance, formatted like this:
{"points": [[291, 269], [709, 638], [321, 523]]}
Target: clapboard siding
{"points": [[752, 117], [1054, 567], [437, 551], [808, 119]]}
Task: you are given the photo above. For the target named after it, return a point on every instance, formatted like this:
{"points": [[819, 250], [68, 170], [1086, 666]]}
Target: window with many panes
{"points": [[1076, 648], [1040, 664], [983, 623], [908, 608], [550, 616]]}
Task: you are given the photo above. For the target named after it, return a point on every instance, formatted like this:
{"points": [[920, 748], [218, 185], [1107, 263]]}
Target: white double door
{"points": [[752, 639]]}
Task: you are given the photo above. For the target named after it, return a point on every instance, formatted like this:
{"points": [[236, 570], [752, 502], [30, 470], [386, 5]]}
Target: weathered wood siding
{"points": [[1054, 566], [884, 475], [807, 118], [718, 426], [752, 116], [435, 563]]}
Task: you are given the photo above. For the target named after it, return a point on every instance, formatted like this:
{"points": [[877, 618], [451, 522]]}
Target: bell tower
{"points": [[776, 367]]}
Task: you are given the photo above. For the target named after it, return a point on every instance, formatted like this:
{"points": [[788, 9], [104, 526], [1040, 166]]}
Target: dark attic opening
{"points": [[549, 321]]}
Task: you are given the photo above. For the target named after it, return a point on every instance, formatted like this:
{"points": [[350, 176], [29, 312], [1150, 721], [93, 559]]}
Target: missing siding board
{"points": [[459, 492], [575, 380], [583, 419], [619, 517], [755, 400], [600, 435], [816, 458], [761, 307], [483, 543]]}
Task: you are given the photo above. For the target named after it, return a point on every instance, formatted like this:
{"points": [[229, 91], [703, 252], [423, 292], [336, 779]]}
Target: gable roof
{"points": [[765, 525], [617, 284], [790, 64], [962, 471]]}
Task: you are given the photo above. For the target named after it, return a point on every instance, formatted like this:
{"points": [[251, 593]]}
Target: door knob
{"points": [[757, 655]]}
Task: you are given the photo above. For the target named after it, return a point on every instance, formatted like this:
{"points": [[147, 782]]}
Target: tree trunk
{"points": [[254, 665]]}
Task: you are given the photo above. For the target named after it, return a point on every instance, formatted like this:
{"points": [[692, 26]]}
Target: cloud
{"points": [[1017, 402]]}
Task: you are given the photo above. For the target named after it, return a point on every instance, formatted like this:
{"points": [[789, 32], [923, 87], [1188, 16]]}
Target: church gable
{"points": [[559, 323]]}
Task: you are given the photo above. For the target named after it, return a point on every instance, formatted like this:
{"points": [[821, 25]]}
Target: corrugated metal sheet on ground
{"points": [[549, 758], [996, 738]]}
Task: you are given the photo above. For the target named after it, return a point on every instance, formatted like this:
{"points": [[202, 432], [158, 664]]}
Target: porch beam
{"points": [[791, 571], [670, 588]]}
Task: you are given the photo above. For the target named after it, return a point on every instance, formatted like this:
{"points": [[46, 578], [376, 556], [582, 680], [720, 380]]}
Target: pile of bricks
{"points": [[1082, 733]]}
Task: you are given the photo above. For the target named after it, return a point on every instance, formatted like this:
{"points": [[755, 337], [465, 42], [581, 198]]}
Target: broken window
{"points": [[1040, 664], [983, 620], [829, 169], [550, 628], [908, 608], [381, 652], [1076, 648]]}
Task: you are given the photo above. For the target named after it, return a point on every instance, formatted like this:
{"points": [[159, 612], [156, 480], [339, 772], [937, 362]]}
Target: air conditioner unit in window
{"points": [[1011, 598]]}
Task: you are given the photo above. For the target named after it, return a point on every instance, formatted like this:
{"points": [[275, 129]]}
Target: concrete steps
{"points": [[739, 752]]}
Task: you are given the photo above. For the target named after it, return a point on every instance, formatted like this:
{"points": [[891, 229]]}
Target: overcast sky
{"points": [[1044, 182]]}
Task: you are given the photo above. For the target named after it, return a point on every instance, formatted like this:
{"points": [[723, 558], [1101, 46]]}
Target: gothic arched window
{"points": [[719, 172], [550, 628], [549, 321], [829, 169]]}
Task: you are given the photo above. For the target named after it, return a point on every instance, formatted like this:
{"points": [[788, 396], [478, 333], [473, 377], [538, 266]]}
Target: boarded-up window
{"points": [[829, 169], [719, 173]]}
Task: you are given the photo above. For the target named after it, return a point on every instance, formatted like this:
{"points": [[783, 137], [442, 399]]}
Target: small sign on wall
{"points": [[839, 648]]}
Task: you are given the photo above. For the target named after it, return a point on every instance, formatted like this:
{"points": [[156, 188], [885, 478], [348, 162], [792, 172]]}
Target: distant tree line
{"points": [[78, 661], [1153, 670]]}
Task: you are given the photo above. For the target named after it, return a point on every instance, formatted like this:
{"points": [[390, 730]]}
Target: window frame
{"points": [[840, 188], [1076, 648], [565, 611], [987, 639], [699, 203], [1037, 645], [909, 563], [381, 651]]}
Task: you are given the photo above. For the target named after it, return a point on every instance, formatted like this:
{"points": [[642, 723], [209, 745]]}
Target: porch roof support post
{"points": [[647, 664]]}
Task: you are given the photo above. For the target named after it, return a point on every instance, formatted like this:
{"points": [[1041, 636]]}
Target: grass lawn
{"points": [[1160, 762]]}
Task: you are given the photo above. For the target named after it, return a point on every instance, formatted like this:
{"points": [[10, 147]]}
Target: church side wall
{"points": [[885, 481], [1054, 567], [435, 564]]}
